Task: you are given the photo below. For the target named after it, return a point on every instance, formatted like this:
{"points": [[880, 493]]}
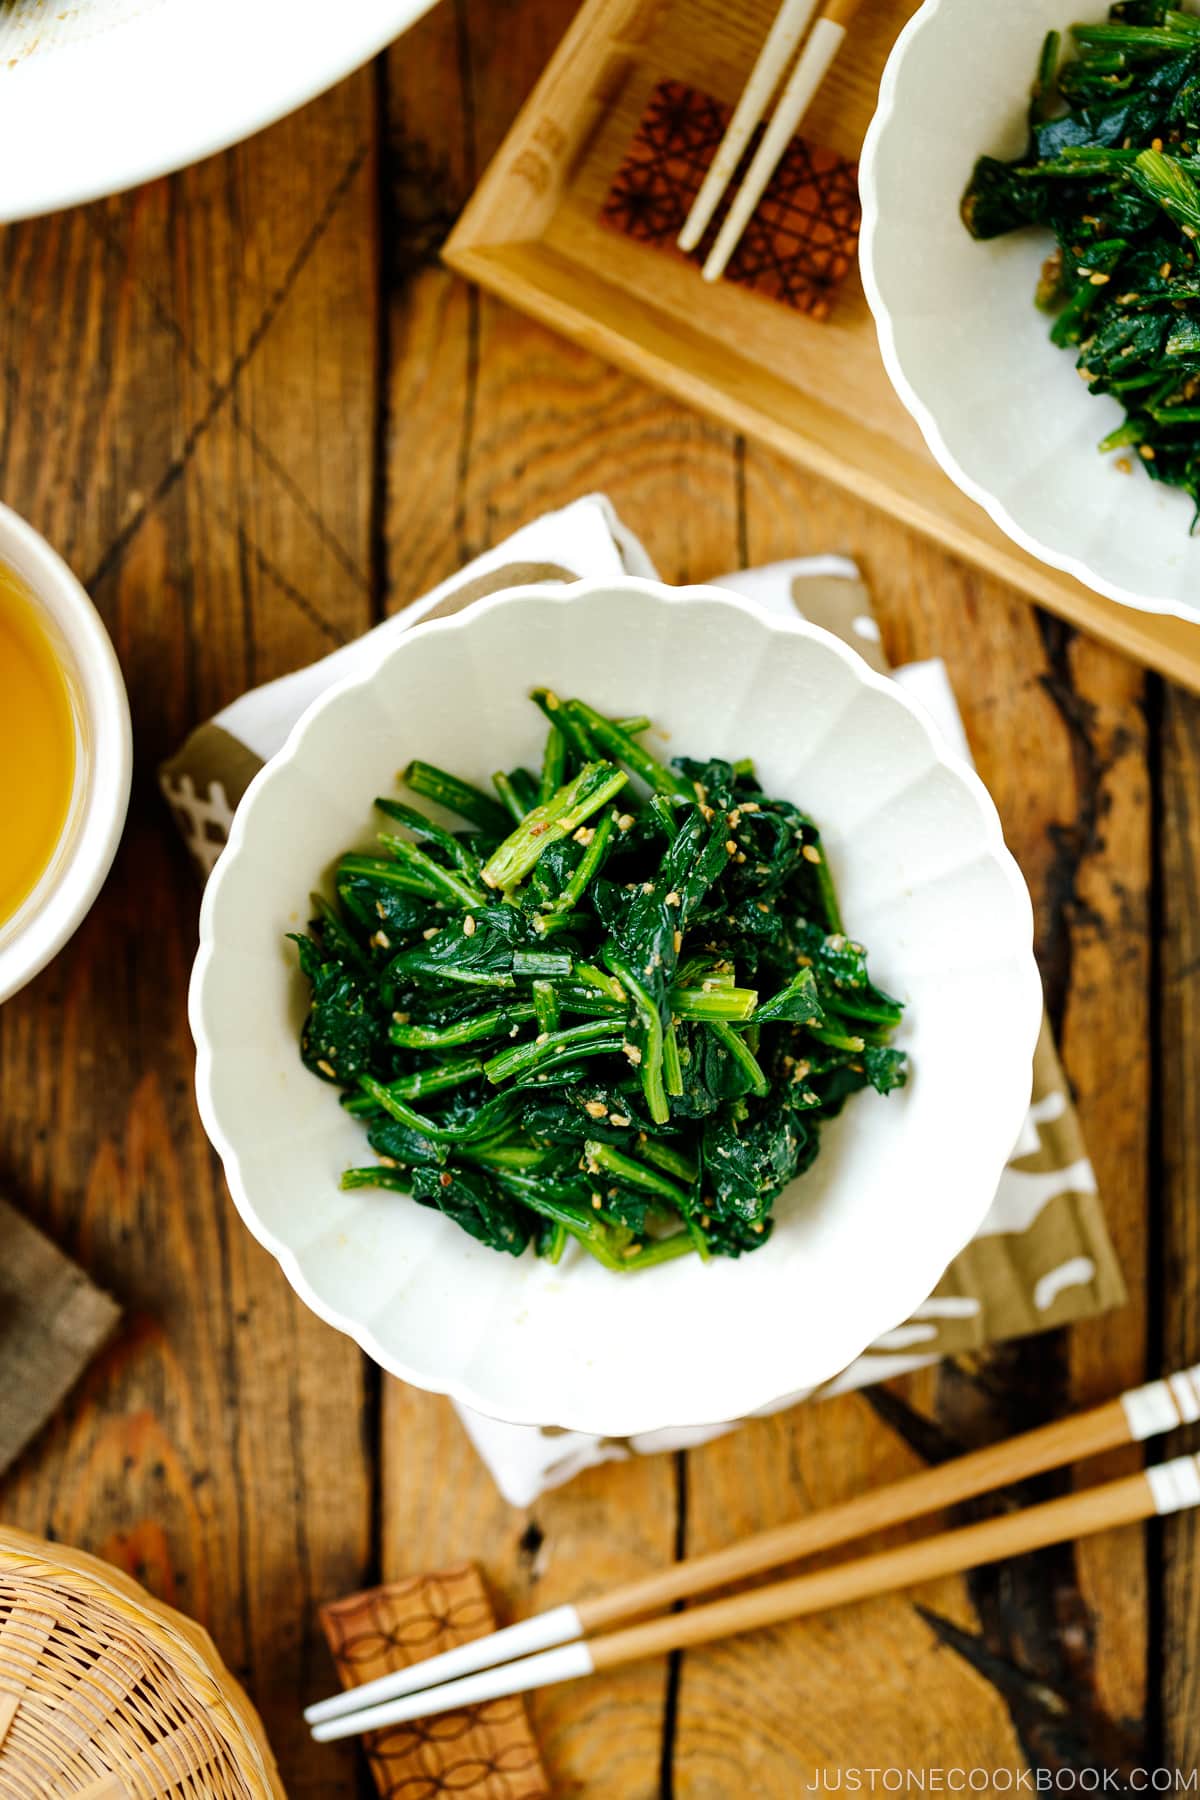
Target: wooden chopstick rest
{"points": [[1141, 1413], [379, 1632]]}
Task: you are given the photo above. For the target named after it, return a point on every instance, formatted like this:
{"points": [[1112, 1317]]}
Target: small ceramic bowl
{"points": [[900, 1185], [1001, 408], [87, 843]]}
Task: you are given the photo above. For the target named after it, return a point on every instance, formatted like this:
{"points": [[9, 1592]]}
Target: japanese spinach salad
{"points": [[615, 1006], [1112, 168]]}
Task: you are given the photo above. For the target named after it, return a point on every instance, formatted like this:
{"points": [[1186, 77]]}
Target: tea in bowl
{"points": [[64, 753]]}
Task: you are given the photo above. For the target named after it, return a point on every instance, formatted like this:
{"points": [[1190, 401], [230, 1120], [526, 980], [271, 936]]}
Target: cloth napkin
{"points": [[1042, 1256]]}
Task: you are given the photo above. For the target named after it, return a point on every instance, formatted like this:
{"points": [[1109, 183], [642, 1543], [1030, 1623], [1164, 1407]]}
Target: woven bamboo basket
{"points": [[106, 1694]]}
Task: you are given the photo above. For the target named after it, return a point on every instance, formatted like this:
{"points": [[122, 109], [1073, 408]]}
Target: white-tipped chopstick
{"points": [[1169, 1487], [824, 42], [791, 22], [1142, 1413]]}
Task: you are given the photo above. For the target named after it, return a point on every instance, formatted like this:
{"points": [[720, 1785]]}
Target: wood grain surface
{"points": [[254, 413]]}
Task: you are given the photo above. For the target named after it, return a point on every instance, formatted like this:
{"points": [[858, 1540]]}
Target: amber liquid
{"points": [[37, 746]]}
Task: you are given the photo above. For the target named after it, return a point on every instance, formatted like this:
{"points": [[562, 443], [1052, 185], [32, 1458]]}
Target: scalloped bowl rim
{"points": [[1164, 605], [621, 1418]]}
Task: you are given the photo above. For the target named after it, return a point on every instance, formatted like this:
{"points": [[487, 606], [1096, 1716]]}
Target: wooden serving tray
{"points": [[815, 391]]}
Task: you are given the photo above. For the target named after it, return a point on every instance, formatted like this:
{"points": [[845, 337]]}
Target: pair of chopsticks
{"points": [[559, 1645], [824, 42]]}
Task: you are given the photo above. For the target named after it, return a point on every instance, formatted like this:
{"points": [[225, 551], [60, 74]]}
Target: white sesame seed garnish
{"points": [[430, 931], [674, 899], [624, 821], [811, 854], [596, 1108], [381, 940], [388, 1162], [469, 925], [633, 1053], [584, 835], [327, 1068], [678, 941], [618, 1119], [730, 845]]}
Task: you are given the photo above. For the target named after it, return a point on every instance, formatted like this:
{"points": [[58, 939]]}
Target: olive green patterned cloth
{"points": [[1041, 1258]]}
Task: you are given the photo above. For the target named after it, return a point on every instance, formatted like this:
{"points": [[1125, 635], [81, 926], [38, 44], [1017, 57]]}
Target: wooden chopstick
{"points": [[1141, 1413], [1169, 1487], [825, 40], [791, 22]]}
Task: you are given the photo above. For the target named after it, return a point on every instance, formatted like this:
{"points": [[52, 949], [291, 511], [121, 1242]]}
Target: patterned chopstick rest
{"points": [[485, 1752], [801, 242]]}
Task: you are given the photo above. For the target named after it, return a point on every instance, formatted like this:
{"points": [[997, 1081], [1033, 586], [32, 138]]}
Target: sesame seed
{"points": [[633, 1053], [430, 931], [1099, 278], [1164, 270], [730, 845], [647, 887], [543, 1037], [762, 906], [596, 1108], [327, 1068], [678, 941], [750, 806], [734, 817], [469, 926], [1127, 299], [631, 1250], [618, 1118], [740, 857], [400, 1018], [584, 835], [673, 899], [597, 1202], [1123, 465], [758, 1228], [1146, 452], [382, 941], [811, 854], [1156, 143], [704, 1221], [706, 810], [624, 821], [381, 909], [388, 1162]]}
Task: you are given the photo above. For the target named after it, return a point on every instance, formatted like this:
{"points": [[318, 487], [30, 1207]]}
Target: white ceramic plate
{"points": [[1001, 407], [96, 95], [901, 1183]]}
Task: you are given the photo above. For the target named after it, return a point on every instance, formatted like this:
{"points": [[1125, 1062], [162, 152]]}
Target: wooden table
{"points": [[255, 414]]}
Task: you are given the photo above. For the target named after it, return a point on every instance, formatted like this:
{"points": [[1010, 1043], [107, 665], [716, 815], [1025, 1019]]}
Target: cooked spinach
{"points": [[1112, 168], [615, 1009]]}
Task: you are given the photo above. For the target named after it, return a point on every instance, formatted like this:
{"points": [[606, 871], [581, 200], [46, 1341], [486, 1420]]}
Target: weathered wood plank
{"points": [[1023, 701], [508, 421], [1177, 1267], [189, 414]]}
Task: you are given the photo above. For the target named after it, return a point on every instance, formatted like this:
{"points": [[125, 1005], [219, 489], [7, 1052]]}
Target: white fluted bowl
{"points": [[1001, 408], [901, 1183]]}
